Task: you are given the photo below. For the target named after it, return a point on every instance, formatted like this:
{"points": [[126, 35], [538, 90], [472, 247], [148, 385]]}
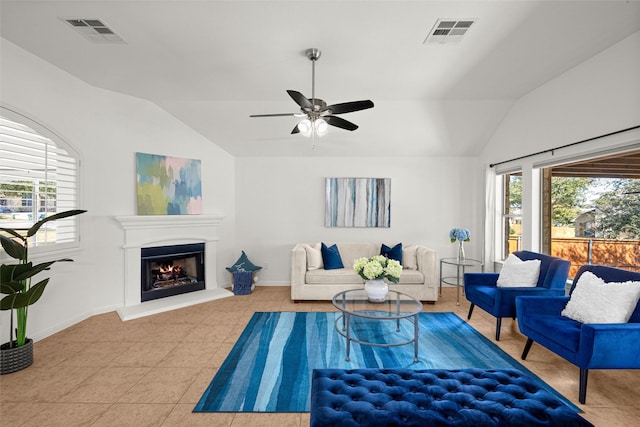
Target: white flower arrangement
{"points": [[378, 267]]}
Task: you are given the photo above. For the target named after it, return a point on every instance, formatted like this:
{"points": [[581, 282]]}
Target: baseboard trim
{"points": [[70, 322]]}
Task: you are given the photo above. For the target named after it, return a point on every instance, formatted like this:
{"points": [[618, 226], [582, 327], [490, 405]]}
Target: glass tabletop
{"points": [[467, 262], [396, 304]]}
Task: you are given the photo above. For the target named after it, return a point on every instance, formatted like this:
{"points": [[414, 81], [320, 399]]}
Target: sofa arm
{"points": [[615, 345], [427, 260], [530, 305], [480, 279], [298, 265]]}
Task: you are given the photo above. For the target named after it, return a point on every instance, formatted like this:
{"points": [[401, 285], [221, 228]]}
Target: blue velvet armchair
{"points": [[588, 346], [481, 288]]}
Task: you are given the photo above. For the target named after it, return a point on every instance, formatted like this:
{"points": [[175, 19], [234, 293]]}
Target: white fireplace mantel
{"points": [[143, 231]]}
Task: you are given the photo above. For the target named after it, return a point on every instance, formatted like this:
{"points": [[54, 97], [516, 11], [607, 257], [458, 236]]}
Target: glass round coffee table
{"points": [[359, 317]]}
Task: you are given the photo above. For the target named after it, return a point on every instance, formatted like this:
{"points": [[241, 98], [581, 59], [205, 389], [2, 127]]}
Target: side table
{"points": [[460, 266]]}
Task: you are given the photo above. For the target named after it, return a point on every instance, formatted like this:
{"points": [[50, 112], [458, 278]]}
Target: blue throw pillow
{"points": [[392, 253], [331, 257], [243, 264]]}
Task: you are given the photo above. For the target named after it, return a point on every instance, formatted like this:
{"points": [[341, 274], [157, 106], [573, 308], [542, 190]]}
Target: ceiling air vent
{"points": [[449, 30], [94, 29]]}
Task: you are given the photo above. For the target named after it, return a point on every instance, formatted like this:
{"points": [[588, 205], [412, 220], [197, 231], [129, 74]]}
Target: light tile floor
{"points": [[152, 371]]}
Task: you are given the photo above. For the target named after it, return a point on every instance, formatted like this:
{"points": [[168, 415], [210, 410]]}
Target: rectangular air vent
{"points": [[93, 29], [449, 30]]}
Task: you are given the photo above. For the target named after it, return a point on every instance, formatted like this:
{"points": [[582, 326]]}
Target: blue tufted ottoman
{"points": [[434, 397]]}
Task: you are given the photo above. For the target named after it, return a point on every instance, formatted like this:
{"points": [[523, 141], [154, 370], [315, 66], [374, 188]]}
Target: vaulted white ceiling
{"points": [[213, 63]]}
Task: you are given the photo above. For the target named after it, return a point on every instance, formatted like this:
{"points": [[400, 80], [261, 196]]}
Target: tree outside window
{"points": [[596, 220]]}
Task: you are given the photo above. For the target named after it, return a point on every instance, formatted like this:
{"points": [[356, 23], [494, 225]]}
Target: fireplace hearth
{"points": [[171, 270]]}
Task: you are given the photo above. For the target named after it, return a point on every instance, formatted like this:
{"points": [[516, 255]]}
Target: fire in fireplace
{"points": [[171, 270]]}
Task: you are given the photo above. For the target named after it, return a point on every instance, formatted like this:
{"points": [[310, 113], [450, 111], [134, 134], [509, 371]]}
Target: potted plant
{"points": [[15, 284]]}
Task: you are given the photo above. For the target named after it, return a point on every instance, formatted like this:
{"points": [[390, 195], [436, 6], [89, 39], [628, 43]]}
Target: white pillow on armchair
{"points": [[595, 301], [517, 273]]}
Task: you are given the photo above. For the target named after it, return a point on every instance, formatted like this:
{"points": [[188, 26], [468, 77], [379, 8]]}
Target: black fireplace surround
{"points": [[171, 270]]}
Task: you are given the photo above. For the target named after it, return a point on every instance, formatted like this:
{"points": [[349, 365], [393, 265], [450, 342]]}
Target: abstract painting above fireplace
{"points": [[168, 185]]}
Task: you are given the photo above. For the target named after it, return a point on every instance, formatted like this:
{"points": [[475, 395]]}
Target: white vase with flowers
{"points": [[374, 270]]}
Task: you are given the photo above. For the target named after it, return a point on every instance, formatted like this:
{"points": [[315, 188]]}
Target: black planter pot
{"points": [[13, 359]]}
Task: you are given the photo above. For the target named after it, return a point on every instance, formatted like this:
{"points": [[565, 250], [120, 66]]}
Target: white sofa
{"points": [[310, 281]]}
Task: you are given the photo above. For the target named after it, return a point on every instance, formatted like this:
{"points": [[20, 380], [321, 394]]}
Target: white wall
{"points": [[599, 96], [107, 129], [280, 202]]}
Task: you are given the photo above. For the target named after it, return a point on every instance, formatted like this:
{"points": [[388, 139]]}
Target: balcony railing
{"points": [[580, 251]]}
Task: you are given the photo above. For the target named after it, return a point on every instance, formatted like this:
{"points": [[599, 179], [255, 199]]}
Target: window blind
{"points": [[37, 178]]}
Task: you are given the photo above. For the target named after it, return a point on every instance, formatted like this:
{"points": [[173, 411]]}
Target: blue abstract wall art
{"points": [[358, 202]]}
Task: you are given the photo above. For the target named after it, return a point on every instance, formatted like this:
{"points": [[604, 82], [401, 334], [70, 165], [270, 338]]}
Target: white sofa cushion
{"points": [[335, 276], [411, 277], [352, 251], [410, 257], [314, 256]]}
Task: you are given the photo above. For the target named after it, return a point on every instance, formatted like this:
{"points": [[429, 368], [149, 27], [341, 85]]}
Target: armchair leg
{"points": [[498, 325], [470, 311], [582, 396], [527, 347]]}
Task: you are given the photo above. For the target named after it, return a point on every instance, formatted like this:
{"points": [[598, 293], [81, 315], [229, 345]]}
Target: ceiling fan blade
{"points": [[295, 130], [273, 115], [301, 100], [348, 107], [340, 122]]}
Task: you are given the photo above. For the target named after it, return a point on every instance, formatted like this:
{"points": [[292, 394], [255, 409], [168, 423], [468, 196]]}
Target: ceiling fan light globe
{"points": [[321, 126], [305, 127]]}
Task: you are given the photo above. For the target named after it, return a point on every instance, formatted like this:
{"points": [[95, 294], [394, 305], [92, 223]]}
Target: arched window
{"points": [[38, 177]]}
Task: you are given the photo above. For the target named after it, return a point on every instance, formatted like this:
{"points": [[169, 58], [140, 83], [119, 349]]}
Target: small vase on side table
{"points": [[460, 257]]}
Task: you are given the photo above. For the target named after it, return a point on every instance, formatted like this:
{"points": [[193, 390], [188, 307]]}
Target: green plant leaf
{"points": [[7, 303], [24, 299], [20, 300], [28, 270], [14, 249], [35, 227], [16, 270], [34, 294], [11, 287], [14, 232], [7, 272]]}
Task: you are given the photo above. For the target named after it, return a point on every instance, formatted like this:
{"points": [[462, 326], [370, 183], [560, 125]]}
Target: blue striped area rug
{"points": [[269, 368]]}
